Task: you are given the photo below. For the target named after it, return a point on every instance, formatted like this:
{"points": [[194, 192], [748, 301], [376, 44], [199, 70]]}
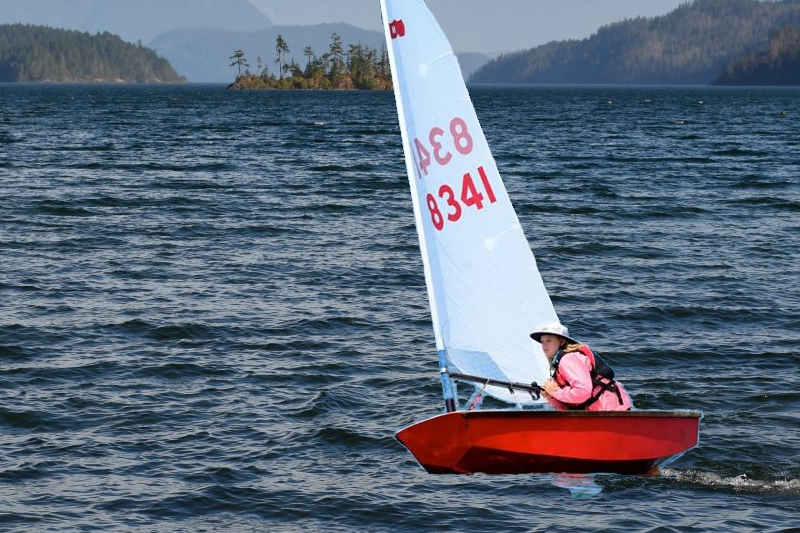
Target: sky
{"points": [[485, 26]]}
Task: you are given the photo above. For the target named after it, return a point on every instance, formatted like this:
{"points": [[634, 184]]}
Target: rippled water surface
{"points": [[213, 315]]}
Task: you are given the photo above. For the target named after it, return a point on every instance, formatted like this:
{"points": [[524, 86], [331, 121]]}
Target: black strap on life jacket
{"points": [[602, 376]]}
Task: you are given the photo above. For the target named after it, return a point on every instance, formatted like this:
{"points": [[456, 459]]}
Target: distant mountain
{"points": [[361, 13], [779, 64], [54, 13], [690, 45], [135, 20], [471, 62], [39, 53]]}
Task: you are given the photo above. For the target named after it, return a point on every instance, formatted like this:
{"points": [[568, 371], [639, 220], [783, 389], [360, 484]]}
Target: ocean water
{"points": [[213, 314]]}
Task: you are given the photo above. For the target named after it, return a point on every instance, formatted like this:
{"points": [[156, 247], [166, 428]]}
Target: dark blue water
{"points": [[213, 315]]}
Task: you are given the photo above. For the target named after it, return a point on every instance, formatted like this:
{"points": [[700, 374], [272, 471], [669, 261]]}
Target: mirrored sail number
{"points": [[435, 150], [454, 204]]}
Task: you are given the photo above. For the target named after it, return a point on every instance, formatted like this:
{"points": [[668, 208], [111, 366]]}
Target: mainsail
{"points": [[485, 291]]}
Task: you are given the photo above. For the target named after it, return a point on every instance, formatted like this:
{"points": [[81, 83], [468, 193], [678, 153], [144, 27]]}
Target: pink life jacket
{"points": [[602, 378]]}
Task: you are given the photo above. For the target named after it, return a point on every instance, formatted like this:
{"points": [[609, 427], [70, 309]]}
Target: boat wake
{"points": [[578, 485], [740, 483]]}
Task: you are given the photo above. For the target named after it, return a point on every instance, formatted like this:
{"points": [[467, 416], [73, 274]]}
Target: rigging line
{"points": [[533, 388]]}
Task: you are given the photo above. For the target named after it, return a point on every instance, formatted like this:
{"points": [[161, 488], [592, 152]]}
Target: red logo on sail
{"points": [[397, 28]]}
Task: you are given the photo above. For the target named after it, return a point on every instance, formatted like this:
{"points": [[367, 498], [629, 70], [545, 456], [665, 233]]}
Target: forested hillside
{"points": [[779, 64], [690, 45], [39, 53], [135, 20]]}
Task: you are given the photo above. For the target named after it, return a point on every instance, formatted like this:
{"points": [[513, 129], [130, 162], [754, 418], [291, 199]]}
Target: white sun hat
{"points": [[553, 328]]}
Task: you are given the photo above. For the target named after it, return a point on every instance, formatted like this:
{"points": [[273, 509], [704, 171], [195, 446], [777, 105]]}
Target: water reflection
{"points": [[578, 485]]}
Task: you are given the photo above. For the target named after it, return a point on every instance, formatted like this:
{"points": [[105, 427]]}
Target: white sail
{"points": [[485, 290]]}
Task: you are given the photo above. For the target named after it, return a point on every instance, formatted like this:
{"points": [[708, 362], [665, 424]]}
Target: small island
{"points": [[361, 68], [30, 53]]}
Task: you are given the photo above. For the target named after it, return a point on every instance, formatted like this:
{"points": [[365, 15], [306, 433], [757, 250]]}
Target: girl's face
{"points": [[550, 345]]}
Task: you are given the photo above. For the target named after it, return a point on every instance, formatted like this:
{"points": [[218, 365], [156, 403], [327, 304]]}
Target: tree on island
{"points": [[239, 61], [309, 53], [336, 54], [281, 48], [361, 67]]}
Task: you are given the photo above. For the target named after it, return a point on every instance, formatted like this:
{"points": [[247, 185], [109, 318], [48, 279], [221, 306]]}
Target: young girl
{"points": [[577, 380]]}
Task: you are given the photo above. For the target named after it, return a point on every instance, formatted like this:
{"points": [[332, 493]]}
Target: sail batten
{"points": [[484, 288]]}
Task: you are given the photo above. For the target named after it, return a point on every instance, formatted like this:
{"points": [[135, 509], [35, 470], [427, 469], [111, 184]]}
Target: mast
{"points": [[447, 385]]}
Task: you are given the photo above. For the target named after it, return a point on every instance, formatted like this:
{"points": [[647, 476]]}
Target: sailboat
{"points": [[486, 293]]}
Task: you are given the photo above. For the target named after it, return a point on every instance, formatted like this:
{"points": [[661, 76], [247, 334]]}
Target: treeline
{"points": [[31, 53], [690, 45], [360, 67], [779, 64]]}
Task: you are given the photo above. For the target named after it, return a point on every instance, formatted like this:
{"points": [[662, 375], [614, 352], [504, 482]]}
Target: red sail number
{"points": [[470, 196], [461, 140]]}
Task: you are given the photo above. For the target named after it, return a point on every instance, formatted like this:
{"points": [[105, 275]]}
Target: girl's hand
{"points": [[550, 386]]}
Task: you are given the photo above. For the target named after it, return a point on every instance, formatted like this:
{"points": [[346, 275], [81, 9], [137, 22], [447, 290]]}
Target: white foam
{"points": [[741, 482]]}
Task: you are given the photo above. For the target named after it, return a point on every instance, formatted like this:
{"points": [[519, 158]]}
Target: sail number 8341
{"points": [[469, 197]]}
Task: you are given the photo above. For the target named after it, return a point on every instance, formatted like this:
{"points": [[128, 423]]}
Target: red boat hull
{"points": [[520, 442]]}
